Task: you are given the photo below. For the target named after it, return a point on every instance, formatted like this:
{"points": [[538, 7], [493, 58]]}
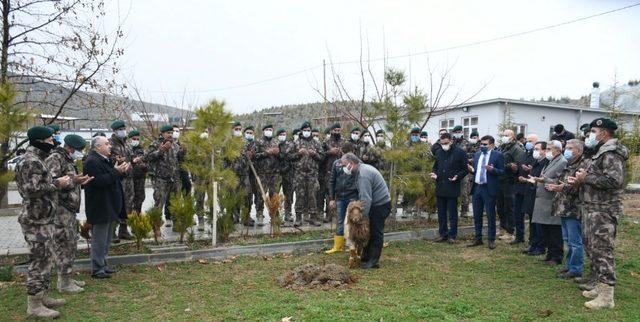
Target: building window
{"points": [[447, 124], [469, 124]]}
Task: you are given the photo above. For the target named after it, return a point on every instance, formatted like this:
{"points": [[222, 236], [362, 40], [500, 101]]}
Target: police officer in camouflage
{"points": [[459, 141], [121, 152], [139, 170], [307, 154], [266, 154], [62, 162], [332, 148], [368, 151], [601, 186], [287, 173], [39, 192], [162, 157], [354, 138], [247, 177]]}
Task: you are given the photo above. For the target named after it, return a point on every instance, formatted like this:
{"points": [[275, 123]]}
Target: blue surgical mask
{"points": [[528, 146], [591, 141], [415, 139], [57, 138], [568, 154]]}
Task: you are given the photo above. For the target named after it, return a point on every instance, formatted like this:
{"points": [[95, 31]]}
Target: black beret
{"points": [[236, 123], [336, 126], [604, 123], [424, 133], [415, 130], [280, 131], [354, 129], [585, 127], [474, 133], [117, 124], [268, 126], [98, 134], [166, 128], [327, 130], [39, 132], [380, 131], [75, 141], [305, 125], [54, 127], [249, 128], [457, 128], [134, 133], [296, 131]]}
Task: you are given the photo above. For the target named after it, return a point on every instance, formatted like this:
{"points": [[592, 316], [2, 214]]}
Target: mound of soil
{"points": [[316, 276]]}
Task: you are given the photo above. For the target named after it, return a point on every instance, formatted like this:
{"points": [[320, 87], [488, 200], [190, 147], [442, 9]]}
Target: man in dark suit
{"points": [[449, 169], [487, 167], [104, 201]]}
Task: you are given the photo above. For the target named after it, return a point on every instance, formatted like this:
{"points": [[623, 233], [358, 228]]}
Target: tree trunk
{"points": [[4, 146]]}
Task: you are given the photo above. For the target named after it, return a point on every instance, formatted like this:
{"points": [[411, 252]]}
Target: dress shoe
{"points": [[475, 243], [440, 239], [100, 275], [535, 253], [492, 244], [368, 265], [516, 242], [109, 271], [452, 241]]}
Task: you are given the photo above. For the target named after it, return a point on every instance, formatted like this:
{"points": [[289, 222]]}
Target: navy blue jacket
{"points": [[104, 198], [497, 160], [447, 165]]}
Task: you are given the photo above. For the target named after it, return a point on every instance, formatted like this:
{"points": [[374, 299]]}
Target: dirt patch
{"points": [[325, 277]]}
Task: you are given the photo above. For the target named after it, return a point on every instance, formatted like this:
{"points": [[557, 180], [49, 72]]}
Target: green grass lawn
{"points": [[419, 280]]}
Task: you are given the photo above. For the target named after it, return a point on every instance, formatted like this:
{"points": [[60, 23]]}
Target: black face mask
{"points": [[336, 135], [46, 147]]}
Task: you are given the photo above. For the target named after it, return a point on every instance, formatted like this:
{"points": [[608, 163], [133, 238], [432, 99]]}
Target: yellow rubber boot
{"points": [[338, 244]]}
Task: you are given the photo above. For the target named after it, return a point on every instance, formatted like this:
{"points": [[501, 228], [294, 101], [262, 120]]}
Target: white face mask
{"points": [[355, 137], [316, 138], [306, 134], [446, 147], [327, 136], [134, 143], [296, 137], [121, 134], [248, 136], [204, 135], [473, 141], [591, 141], [176, 134], [549, 156], [268, 133], [346, 170], [282, 138], [367, 139], [237, 133], [77, 155], [505, 139], [457, 135], [536, 154], [423, 139]]}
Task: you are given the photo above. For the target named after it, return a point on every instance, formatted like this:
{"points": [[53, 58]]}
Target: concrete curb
{"points": [[252, 250], [15, 211]]}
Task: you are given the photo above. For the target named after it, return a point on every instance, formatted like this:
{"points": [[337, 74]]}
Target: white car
{"points": [[11, 164]]}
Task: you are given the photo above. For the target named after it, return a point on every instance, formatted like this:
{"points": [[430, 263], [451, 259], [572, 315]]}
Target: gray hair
{"points": [[578, 144], [556, 144], [350, 158], [97, 141]]}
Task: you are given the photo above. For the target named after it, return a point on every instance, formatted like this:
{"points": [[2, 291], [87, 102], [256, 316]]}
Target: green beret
{"points": [[457, 128], [98, 134], [249, 128], [424, 133], [474, 133], [305, 125], [166, 128], [54, 127], [327, 130], [604, 123], [316, 130], [355, 129], [415, 130], [280, 131], [75, 141], [39, 132], [380, 131], [585, 127], [296, 131], [117, 124], [134, 133], [268, 126], [236, 123], [336, 126]]}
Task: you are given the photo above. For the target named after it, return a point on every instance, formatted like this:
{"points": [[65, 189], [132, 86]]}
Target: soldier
{"points": [[201, 188], [287, 173], [266, 153], [248, 178], [370, 155], [307, 154], [327, 133], [61, 162], [183, 174], [39, 190], [121, 152], [462, 143], [315, 132], [513, 153], [139, 170], [380, 147], [322, 186], [332, 151], [57, 140], [162, 156], [601, 187], [354, 138]]}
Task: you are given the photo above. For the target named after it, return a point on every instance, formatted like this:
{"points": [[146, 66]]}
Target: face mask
{"points": [[568, 154], [549, 156], [346, 170], [473, 141], [484, 149], [367, 139], [446, 147], [457, 135], [237, 133], [249, 137], [415, 139], [268, 134], [122, 134], [317, 139], [282, 138], [423, 139], [204, 135], [336, 135], [355, 137], [77, 155], [328, 136], [505, 139], [306, 134], [528, 146], [536, 155], [46, 147], [296, 137], [57, 138], [175, 135], [134, 143], [591, 141], [380, 139]]}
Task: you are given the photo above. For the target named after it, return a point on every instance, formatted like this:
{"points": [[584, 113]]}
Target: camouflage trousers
{"points": [[268, 181], [324, 205], [39, 239], [139, 194], [251, 190], [129, 194], [162, 190], [306, 191], [201, 186], [65, 240], [600, 234], [288, 189], [465, 194]]}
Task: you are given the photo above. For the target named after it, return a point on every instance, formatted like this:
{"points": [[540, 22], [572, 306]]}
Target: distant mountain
{"points": [[292, 116]]}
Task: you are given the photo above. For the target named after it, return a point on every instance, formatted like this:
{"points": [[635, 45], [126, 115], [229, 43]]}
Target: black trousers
{"points": [[448, 206], [504, 204], [377, 216], [552, 235]]}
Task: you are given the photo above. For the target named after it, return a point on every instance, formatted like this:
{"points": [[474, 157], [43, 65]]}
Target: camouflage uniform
{"points": [[65, 233], [371, 153], [467, 182], [267, 166], [121, 152], [139, 178], [306, 168], [246, 179], [325, 166], [39, 207], [287, 173], [165, 174], [199, 192], [600, 195]]}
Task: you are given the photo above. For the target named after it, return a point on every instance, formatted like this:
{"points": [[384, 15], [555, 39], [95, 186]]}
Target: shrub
{"points": [[155, 217], [182, 209], [140, 227]]}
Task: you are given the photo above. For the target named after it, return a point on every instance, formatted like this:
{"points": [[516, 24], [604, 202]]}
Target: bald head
{"points": [[533, 138], [509, 133]]}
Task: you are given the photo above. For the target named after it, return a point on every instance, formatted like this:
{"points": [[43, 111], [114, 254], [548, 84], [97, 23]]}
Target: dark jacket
{"points": [[341, 185], [563, 137], [512, 153], [497, 160], [447, 165], [530, 194], [524, 187], [104, 199]]}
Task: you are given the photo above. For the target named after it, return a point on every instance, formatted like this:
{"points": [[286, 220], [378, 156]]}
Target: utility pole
{"points": [[324, 102]]}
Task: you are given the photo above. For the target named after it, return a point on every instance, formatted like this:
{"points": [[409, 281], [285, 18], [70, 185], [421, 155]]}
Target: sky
{"points": [[257, 54]]}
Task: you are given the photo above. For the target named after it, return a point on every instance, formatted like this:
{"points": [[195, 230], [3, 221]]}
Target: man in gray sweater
{"points": [[376, 200]]}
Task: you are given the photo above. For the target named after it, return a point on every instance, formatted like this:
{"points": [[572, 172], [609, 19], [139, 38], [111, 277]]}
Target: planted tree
{"points": [[155, 218], [140, 227], [229, 203]]}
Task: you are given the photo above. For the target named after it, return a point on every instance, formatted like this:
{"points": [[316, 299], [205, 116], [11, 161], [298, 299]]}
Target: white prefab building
{"points": [[529, 117]]}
